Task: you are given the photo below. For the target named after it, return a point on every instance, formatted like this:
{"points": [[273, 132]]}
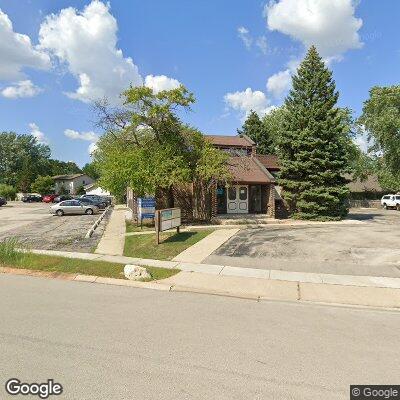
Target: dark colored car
{"points": [[92, 201], [49, 198], [3, 201], [32, 198], [95, 197], [62, 197]]}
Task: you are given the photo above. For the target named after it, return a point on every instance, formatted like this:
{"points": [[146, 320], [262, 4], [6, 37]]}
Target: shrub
{"points": [[80, 190], [7, 191], [43, 185]]}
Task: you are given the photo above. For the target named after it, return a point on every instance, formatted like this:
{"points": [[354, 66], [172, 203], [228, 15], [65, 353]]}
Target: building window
{"points": [[243, 193], [232, 193]]}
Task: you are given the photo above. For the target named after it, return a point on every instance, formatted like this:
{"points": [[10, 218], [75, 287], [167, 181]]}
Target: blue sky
{"points": [[234, 55]]}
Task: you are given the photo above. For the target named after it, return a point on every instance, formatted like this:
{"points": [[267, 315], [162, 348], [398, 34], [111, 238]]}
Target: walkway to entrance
{"points": [[245, 219]]}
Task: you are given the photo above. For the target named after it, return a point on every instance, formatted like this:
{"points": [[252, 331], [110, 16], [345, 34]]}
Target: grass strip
{"points": [[10, 257], [144, 246]]}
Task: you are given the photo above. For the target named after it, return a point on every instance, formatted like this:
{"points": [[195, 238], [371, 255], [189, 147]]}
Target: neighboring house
{"points": [[94, 188], [367, 189], [71, 183]]}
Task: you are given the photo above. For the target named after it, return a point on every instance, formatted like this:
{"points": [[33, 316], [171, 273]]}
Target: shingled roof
{"points": [[235, 141], [248, 170], [67, 177], [269, 161]]}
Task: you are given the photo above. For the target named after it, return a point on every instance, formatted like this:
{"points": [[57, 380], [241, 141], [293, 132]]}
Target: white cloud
{"points": [[86, 42], [244, 35], [363, 139], [261, 43], [92, 148], [17, 52], [330, 25], [249, 41], [161, 82], [86, 136], [21, 89], [75, 135], [37, 134], [279, 83], [248, 100]]}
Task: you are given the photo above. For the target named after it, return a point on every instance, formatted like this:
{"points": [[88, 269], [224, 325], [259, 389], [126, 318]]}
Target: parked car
{"points": [[98, 200], [68, 207], [32, 198], [49, 198], [2, 201], [390, 201], [62, 197]]}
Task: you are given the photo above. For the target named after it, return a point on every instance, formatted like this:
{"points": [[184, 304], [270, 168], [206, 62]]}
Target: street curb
{"points": [[320, 294], [226, 270], [97, 223], [155, 285]]}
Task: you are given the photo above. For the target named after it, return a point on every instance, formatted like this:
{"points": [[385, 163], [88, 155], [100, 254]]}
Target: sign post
{"points": [[166, 219], [146, 207]]}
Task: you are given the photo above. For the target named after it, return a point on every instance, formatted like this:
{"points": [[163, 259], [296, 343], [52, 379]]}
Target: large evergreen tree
{"points": [[257, 131], [313, 151]]}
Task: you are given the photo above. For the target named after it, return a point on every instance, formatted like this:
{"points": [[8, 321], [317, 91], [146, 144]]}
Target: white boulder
{"points": [[135, 272]]}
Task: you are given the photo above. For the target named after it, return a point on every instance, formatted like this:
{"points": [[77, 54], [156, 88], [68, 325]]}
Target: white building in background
{"points": [[95, 189], [71, 183]]}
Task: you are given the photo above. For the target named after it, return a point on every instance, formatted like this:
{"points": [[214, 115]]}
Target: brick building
{"points": [[251, 191]]}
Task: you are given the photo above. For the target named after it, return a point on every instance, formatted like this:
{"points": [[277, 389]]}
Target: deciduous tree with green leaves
{"points": [[313, 150], [43, 185], [7, 191], [381, 119], [91, 170], [147, 147]]}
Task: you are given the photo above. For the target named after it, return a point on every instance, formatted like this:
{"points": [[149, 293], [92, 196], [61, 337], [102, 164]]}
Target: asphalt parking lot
{"points": [[368, 243], [33, 225]]}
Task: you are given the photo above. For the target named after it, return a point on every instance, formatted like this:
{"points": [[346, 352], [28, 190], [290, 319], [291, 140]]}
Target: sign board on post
{"points": [[146, 207], [168, 218]]}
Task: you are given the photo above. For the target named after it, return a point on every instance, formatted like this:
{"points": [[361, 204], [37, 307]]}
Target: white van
{"points": [[390, 201]]}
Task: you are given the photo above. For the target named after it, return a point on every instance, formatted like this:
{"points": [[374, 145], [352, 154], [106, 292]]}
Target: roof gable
{"points": [[248, 170], [234, 141]]}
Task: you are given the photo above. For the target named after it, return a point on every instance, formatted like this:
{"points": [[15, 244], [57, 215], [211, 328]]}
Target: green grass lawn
{"points": [[46, 263], [144, 246], [133, 227]]}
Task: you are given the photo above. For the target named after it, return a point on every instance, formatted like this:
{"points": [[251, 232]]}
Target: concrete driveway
{"points": [[366, 244], [33, 225]]}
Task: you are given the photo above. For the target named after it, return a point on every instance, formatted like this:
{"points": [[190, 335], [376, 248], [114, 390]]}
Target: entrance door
{"points": [[238, 199]]}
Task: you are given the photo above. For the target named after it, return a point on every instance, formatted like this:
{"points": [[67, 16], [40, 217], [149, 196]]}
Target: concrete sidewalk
{"points": [[113, 239], [257, 284], [225, 270], [202, 249]]}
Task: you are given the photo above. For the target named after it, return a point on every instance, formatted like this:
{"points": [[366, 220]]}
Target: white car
{"points": [[73, 207], [391, 201]]}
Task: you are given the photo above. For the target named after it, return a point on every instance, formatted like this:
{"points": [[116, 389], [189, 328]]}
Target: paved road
{"points": [[368, 244], [108, 342], [34, 226]]}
